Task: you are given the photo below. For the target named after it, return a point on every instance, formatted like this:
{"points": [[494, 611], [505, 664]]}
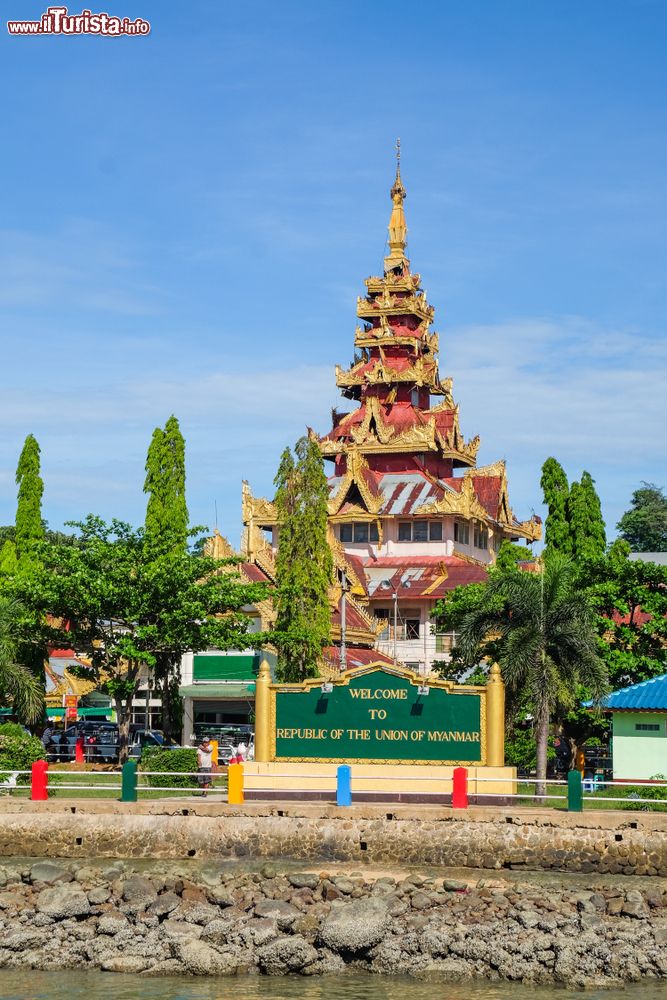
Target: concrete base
{"points": [[375, 782]]}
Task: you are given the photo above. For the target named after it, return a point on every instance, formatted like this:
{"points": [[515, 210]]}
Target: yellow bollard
{"points": [[235, 784], [214, 751]]}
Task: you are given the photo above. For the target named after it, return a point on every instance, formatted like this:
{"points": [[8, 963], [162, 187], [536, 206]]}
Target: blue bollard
{"points": [[344, 785]]}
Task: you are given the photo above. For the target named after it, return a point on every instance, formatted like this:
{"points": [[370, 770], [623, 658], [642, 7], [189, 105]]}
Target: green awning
{"points": [[245, 691], [225, 666]]}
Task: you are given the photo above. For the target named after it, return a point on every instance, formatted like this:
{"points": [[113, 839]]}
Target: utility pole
{"points": [[395, 626]]}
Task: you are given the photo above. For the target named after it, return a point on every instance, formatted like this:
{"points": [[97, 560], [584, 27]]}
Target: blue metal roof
{"points": [[649, 695]]}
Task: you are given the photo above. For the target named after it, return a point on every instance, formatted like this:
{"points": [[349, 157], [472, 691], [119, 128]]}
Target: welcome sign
{"points": [[379, 715]]}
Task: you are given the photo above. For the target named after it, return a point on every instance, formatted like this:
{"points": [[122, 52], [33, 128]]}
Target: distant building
{"points": [[660, 558], [639, 730]]}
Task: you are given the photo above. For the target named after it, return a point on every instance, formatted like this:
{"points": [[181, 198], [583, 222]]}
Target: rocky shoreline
{"points": [[63, 915]]}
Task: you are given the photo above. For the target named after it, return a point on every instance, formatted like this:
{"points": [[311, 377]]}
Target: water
{"points": [[27, 985], [22, 985]]}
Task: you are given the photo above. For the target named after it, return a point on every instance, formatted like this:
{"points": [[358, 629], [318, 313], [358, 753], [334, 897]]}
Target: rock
{"points": [[11, 900], [287, 954], [344, 885], [220, 896], [634, 905], [98, 896], [61, 902], [420, 901], [284, 913], [50, 872], [125, 963], [111, 922], [456, 885], [176, 930], [138, 893], [200, 959], [303, 880], [356, 925], [257, 932], [164, 904]]}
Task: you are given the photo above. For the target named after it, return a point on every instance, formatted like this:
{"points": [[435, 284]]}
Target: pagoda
{"points": [[411, 514]]}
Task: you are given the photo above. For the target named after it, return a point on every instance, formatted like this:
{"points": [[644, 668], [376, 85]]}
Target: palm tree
{"points": [[542, 628], [16, 680]]}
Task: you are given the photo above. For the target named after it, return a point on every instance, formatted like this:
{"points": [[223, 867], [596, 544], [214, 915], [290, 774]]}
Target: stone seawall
{"points": [[165, 919], [603, 843]]}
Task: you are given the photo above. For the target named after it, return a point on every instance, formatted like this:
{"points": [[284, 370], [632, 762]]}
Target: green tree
{"points": [[644, 526], [540, 628], [29, 526], [630, 600], [584, 513], [556, 492], [166, 530], [8, 560], [304, 564], [125, 607], [510, 555], [18, 685], [166, 510]]}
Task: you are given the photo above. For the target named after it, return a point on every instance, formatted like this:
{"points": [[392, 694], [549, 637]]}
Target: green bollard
{"points": [[128, 791], [575, 796]]}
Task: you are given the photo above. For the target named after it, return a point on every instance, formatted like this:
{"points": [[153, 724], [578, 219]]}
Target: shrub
{"points": [[12, 729], [18, 752], [173, 761]]}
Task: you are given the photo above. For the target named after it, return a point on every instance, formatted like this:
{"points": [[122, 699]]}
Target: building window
{"points": [[420, 531], [359, 531], [480, 536], [461, 532], [444, 641], [412, 628], [414, 397], [648, 727]]}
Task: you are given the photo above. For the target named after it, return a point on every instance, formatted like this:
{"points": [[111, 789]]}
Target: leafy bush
{"points": [[648, 792], [173, 761], [18, 752], [12, 729]]}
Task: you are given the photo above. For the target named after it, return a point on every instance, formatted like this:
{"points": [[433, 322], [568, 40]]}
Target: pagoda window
{"points": [[420, 531], [462, 532], [359, 531], [480, 536], [414, 397]]}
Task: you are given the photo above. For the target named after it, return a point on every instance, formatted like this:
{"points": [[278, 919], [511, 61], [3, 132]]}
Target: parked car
{"points": [[100, 742], [142, 738]]}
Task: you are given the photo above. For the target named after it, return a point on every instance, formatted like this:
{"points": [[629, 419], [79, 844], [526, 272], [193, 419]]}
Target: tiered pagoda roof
{"points": [[396, 453]]}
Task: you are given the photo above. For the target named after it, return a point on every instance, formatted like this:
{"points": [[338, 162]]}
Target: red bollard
{"points": [[39, 790], [460, 788], [78, 751]]}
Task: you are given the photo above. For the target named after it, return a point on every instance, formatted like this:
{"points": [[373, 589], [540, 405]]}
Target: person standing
{"points": [[205, 764]]}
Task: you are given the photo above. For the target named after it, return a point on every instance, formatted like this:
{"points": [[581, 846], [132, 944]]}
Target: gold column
{"points": [[495, 718], [263, 713]]}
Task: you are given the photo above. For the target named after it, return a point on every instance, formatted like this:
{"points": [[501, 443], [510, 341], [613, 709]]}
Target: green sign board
{"points": [[380, 715]]}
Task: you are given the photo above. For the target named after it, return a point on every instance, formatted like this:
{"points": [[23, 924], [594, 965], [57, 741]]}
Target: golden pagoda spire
{"points": [[398, 230]]}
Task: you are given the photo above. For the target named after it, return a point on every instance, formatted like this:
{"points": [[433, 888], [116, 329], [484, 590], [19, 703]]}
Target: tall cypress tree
{"points": [[29, 526], [166, 510], [587, 531], [166, 528], [304, 564], [556, 492]]}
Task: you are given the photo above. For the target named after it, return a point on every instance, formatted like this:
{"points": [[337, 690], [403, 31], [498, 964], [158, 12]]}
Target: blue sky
{"points": [[187, 219]]}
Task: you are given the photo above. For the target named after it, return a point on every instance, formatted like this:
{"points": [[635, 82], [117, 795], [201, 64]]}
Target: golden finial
{"points": [[398, 230]]}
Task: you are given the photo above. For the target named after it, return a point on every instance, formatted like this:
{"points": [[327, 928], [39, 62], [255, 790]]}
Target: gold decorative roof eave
{"points": [[421, 374], [530, 530], [407, 282], [392, 305]]}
